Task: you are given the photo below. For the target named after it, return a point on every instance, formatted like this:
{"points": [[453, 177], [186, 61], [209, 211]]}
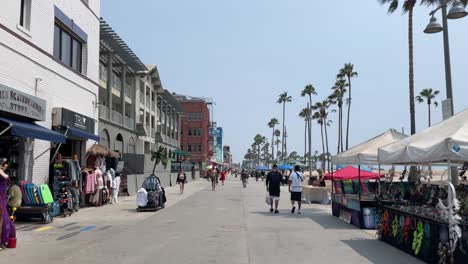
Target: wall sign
{"points": [[23, 104], [67, 118]]}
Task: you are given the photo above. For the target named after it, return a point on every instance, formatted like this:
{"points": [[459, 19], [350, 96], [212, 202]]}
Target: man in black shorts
{"points": [[273, 183]]}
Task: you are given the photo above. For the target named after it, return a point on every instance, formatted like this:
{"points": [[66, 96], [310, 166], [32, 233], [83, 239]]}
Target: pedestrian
{"points": [[244, 178], [262, 174], [273, 183], [181, 180], [223, 176], [217, 175], [295, 188], [212, 176], [257, 175]]}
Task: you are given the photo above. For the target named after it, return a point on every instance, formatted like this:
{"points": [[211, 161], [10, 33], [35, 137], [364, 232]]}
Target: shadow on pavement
{"points": [[325, 220], [378, 252]]}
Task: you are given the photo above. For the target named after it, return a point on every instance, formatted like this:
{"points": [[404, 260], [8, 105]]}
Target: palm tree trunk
{"points": [[326, 139], [411, 70], [273, 144], [282, 141], [339, 131], [349, 111], [429, 113], [341, 127], [323, 148], [305, 136]]}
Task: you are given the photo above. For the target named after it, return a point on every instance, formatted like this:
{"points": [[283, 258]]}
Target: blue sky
{"points": [[245, 53]]}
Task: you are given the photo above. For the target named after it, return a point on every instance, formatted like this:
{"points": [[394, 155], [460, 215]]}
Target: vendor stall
{"points": [[423, 218], [354, 190]]}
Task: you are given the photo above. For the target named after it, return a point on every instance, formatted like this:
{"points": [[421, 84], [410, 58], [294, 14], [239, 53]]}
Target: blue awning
{"points": [[26, 129], [77, 133]]}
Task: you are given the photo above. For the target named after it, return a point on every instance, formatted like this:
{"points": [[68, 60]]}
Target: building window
{"points": [[189, 148], [200, 148], [189, 131], [25, 14], [68, 48]]}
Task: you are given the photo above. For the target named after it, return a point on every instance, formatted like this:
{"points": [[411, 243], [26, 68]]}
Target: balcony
{"points": [[116, 82], [128, 90], [130, 123], [103, 111], [142, 99], [116, 117]]}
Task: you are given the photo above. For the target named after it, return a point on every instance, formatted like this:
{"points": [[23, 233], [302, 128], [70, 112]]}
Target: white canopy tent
{"points": [[366, 153], [446, 141]]}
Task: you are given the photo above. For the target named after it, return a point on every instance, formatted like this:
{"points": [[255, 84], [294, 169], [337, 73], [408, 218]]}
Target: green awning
{"points": [[180, 152]]}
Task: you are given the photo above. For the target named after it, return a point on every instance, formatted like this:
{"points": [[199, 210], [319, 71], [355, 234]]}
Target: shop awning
{"points": [[77, 133], [26, 129]]}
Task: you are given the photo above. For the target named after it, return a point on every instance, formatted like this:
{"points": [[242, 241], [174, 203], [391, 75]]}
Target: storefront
{"points": [[69, 159], [18, 112]]}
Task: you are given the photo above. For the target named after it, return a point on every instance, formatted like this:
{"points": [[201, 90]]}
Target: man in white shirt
{"points": [[295, 188]]}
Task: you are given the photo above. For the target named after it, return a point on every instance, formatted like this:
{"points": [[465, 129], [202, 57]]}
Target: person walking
{"points": [[223, 176], [273, 183], [295, 188], [212, 176], [244, 178], [257, 175], [181, 180]]}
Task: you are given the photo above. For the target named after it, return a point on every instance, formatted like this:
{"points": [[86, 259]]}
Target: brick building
{"points": [[195, 129]]}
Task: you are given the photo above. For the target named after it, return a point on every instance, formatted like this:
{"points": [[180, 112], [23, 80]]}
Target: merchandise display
{"points": [[425, 220]]}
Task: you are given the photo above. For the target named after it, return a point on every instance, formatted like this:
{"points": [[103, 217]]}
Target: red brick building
{"points": [[195, 136]]}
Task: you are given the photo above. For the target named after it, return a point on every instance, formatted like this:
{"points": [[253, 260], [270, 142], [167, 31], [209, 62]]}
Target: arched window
{"points": [[119, 144], [131, 146], [104, 135]]}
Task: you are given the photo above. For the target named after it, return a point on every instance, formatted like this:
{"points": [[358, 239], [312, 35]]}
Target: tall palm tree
{"points": [[272, 124], [305, 114], [408, 7], [283, 99], [259, 140], [309, 90], [317, 116], [428, 95], [323, 107], [277, 142], [339, 91], [348, 72]]}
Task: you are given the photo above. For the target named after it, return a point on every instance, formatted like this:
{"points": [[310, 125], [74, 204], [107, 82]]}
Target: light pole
{"points": [[457, 11]]}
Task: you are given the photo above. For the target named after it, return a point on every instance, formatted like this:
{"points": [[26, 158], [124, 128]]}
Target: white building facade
{"points": [[49, 53]]}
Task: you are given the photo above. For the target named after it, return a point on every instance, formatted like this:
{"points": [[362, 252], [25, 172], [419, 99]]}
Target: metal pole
{"points": [[448, 71], [6, 129], [359, 178], [378, 189], [56, 151]]}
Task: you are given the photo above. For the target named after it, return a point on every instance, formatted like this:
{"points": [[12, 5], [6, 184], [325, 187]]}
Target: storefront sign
{"points": [[23, 104], [68, 118]]}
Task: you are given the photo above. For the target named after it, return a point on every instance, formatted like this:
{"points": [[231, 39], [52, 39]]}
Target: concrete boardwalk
{"points": [[230, 225]]}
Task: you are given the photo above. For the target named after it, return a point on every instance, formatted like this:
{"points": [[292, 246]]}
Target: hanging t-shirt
{"points": [[296, 179]]}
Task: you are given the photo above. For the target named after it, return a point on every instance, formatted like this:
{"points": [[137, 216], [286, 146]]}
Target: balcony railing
{"points": [[116, 82], [102, 72], [103, 110], [116, 117], [130, 123], [128, 90]]}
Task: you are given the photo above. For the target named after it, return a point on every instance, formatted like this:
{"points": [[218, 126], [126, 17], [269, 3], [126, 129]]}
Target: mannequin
{"points": [[116, 187]]}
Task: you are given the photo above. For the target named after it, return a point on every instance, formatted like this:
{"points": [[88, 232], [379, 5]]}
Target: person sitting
{"points": [[14, 195]]}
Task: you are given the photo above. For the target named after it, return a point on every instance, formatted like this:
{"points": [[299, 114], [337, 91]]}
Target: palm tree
{"points": [[272, 124], [277, 141], [309, 90], [428, 95], [317, 116], [348, 72], [159, 156], [408, 7], [283, 99], [259, 140], [339, 91], [305, 114]]}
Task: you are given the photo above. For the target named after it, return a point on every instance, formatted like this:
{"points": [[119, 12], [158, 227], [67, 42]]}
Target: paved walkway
{"points": [[230, 225]]}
